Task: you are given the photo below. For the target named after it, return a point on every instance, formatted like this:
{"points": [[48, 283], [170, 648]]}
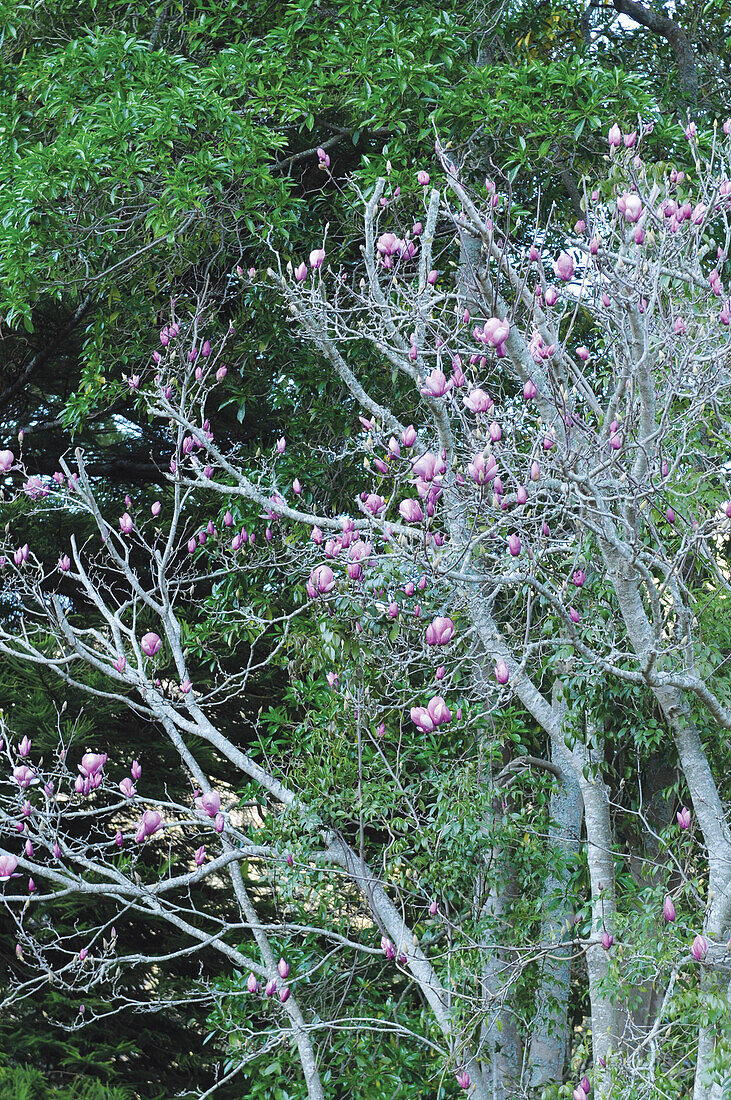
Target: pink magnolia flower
{"points": [[200, 856], [463, 1079], [502, 672], [35, 489], [436, 713], [127, 787], [699, 948], [579, 578], [607, 940], [374, 504], [422, 178], [632, 207], [283, 968], [322, 579], [271, 987], [64, 563], [150, 644], [668, 910], [92, 763], [482, 469], [428, 466], [149, 824], [8, 865], [614, 137], [317, 258], [496, 331], [477, 401], [684, 818], [7, 458], [252, 984], [209, 803], [410, 510], [24, 747], [435, 385], [300, 272], [514, 545], [440, 632], [24, 776], [564, 267]]}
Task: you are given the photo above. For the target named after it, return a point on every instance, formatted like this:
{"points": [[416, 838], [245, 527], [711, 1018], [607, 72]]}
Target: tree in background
{"points": [[520, 613]]}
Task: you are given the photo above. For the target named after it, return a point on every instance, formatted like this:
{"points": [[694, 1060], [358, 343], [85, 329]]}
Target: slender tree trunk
{"points": [[549, 1046], [500, 1032]]}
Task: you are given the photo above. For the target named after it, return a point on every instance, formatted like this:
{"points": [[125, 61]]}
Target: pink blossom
{"points": [[127, 787], [422, 178], [440, 631], [8, 865], [514, 545], [632, 207], [252, 984], [7, 458], [482, 469], [614, 137], [668, 910], [149, 824], [25, 746], [477, 401], [92, 763], [317, 258], [24, 776], [496, 331], [283, 968], [699, 948], [463, 1079], [684, 818], [607, 940], [209, 803], [410, 510], [502, 672], [435, 385], [199, 856], [564, 267], [322, 579], [300, 272], [150, 644]]}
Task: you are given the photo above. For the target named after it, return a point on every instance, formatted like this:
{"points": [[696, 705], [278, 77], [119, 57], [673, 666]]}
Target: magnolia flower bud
{"points": [[684, 818], [564, 267], [668, 910], [502, 673], [150, 644], [251, 983], [699, 948], [607, 940]]}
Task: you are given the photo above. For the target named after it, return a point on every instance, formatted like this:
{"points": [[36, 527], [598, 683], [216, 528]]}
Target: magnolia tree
{"points": [[539, 533]]}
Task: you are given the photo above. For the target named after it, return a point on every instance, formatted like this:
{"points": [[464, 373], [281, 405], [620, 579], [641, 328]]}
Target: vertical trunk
{"points": [[500, 1032], [607, 1016], [550, 1034]]}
